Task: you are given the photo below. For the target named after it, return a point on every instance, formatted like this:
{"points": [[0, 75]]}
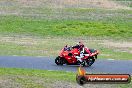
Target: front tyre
{"points": [[90, 61]]}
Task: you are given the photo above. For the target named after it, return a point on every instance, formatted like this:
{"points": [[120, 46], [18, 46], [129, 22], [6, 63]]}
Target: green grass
{"points": [[111, 53], [19, 25], [59, 75], [28, 78]]}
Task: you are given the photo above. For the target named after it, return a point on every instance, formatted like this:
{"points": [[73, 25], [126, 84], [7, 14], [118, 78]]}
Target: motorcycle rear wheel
{"points": [[58, 61], [84, 63]]}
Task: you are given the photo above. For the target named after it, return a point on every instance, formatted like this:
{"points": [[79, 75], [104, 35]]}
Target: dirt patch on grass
{"points": [[65, 3], [37, 82], [120, 45], [88, 3], [7, 82], [47, 45], [97, 3], [20, 40], [55, 9], [62, 84]]}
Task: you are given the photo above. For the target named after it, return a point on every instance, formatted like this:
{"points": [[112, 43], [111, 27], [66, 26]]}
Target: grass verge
{"points": [[50, 46], [28, 78], [20, 25]]}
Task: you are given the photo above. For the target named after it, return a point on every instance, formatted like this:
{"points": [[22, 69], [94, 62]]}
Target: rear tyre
{"points": [[59, 61], [84, 63]]}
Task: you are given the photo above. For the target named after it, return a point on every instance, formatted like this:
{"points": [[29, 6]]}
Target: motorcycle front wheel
{"points": [[90, 61]]}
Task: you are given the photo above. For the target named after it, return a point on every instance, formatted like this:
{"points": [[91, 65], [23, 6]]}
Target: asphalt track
{"points": [[47, 63]]}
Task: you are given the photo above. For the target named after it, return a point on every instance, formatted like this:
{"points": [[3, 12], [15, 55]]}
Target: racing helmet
{"points": [[81, 45]]}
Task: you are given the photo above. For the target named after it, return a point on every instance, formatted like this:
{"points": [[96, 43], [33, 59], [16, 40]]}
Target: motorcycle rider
{"points": [[78, 45], [83, 51], [65, 48]]}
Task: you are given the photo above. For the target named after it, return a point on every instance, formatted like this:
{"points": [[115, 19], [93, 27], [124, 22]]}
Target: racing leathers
{"points": [[83, 52]]}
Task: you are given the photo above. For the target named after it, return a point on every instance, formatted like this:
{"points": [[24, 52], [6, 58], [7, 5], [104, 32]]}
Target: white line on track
{"points": [[14, 55], [111, 59]]}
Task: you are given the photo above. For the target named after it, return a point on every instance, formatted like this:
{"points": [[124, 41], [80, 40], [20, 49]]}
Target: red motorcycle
{"points": [[69, 57]]}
